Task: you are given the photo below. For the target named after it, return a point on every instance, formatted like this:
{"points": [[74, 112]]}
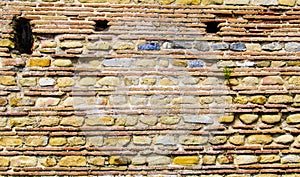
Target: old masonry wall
{"points": [[150, 88]]}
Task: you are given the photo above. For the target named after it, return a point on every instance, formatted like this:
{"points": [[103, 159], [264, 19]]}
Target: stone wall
{"points": [[146, 88]]}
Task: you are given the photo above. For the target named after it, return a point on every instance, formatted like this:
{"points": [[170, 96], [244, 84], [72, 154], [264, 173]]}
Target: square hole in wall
{"points": [[101, 25], [212, 27], [23, 35]]}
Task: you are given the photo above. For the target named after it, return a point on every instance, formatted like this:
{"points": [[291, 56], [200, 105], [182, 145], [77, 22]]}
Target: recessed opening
{"points": [[101, 25], [212, 27], [23, 35]]}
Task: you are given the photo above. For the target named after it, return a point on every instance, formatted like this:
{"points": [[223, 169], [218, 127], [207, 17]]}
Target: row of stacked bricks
{"points": [[155, 93]]}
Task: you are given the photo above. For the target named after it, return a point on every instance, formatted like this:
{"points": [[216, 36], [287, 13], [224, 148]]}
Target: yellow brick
{"points": [[41, 62]]}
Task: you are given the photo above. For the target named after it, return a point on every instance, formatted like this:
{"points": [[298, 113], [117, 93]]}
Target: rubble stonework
{"points": [[143, 88]]}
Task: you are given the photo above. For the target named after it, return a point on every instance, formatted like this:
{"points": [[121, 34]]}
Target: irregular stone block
{"points": [[150, 46], [7, 43], [269, 158], [165, 140], [259, 139], [185, 100], [23, 161], [8, 81], [71, 44], [48, 44], [39, 62], [72, 161], [239, 47], [201, 46], [122, 62], [148, 81], [47, 81], [101, 45], [248, 118], [292, 47], [284, 139], [158, 160], [48, 161], [272, 80], [258, 99], [57, 141], [287, 2], [226, 119], [72, 121], [219, 46], [252, 46], [4, 162], [169, 119], [165, 2], [280, 99], [45, 102], [271, 119], [98, 161], [141, 140], [117, 141], [193, 140], [293, 119], [118, 100], [94, 140], [10, 141], [237, 139], [216, 140], [250, 81], [246, 159], [225, 159], [180, 63], [138, 160], [294, 80], [109, 81], [208, 160], [49, 121], [119, 160], [22, 122], [199, 119], [138, 100], [196, 64], [62, 62], [87, 81], [145, 63], [241, 100], [274, 46], [28, 82], [65, 82], [100, 121], [76, 141], [126, 121], [290, 159], [36, 141]]}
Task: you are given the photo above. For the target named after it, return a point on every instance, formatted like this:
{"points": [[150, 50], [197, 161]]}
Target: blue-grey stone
{"points": [[165, 140], [202, 46], [220, 46], [122, 62], [239, 47], [274, 46], [196, 64], [292, 47], [182, 45], [149, 46], [199, 119]]}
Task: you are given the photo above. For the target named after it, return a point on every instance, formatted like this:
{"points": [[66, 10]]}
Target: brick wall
{"points": [[146, 88]]}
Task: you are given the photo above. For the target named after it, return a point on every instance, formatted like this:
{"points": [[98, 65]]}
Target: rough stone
{"points": [[241, 100], [217, 46], [259, 139], [39, 62], [72, 121], [138, 100], [72, 161], [65, 82], [23, 161], [169, 119], [49, 121], [21, 122], [124, 45], [272, 80], [237, 139], [118, 1], [286, 2], [101, 45], [246, 159], [185, 100], [3, 101], [109, 81], [193, 140], [250, 81], [165, 2], [187, 2], [76, 141], [253, 47], [189, 80], [122, 62], [276, 64], [48, 161], [297, 98], [48, 44], [248, 118], [294, 80], [280, 99], [226, 119], [119, 160], [239, 47], [46, 102], [87, 81], [71, 44], [7, 43], [226, 64], [126, 121], [117, 141], [158, 160], [10, 141], [199, 119], [4, 162], [186, 160], [293, 119], [128, 81], [138, 160], [36, 141], [270, 119], [149, 120], [8, 80], [47, 82], [57, 141], [100, 121], [94, 140], [92, 1], [180, 63], [290, 159], [3, 122], [117, 100], [98, 161], [269, 158], [262, 64], [141, 140], [201, 46], [284, 139], [292, 47], [208, 160], [258, 99], [165, 140], [145, 63], [62, 62], [211, 81], [25, 101], [224, 159], [28, 82], [274, 46], [148, 81], [217, 140]]}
